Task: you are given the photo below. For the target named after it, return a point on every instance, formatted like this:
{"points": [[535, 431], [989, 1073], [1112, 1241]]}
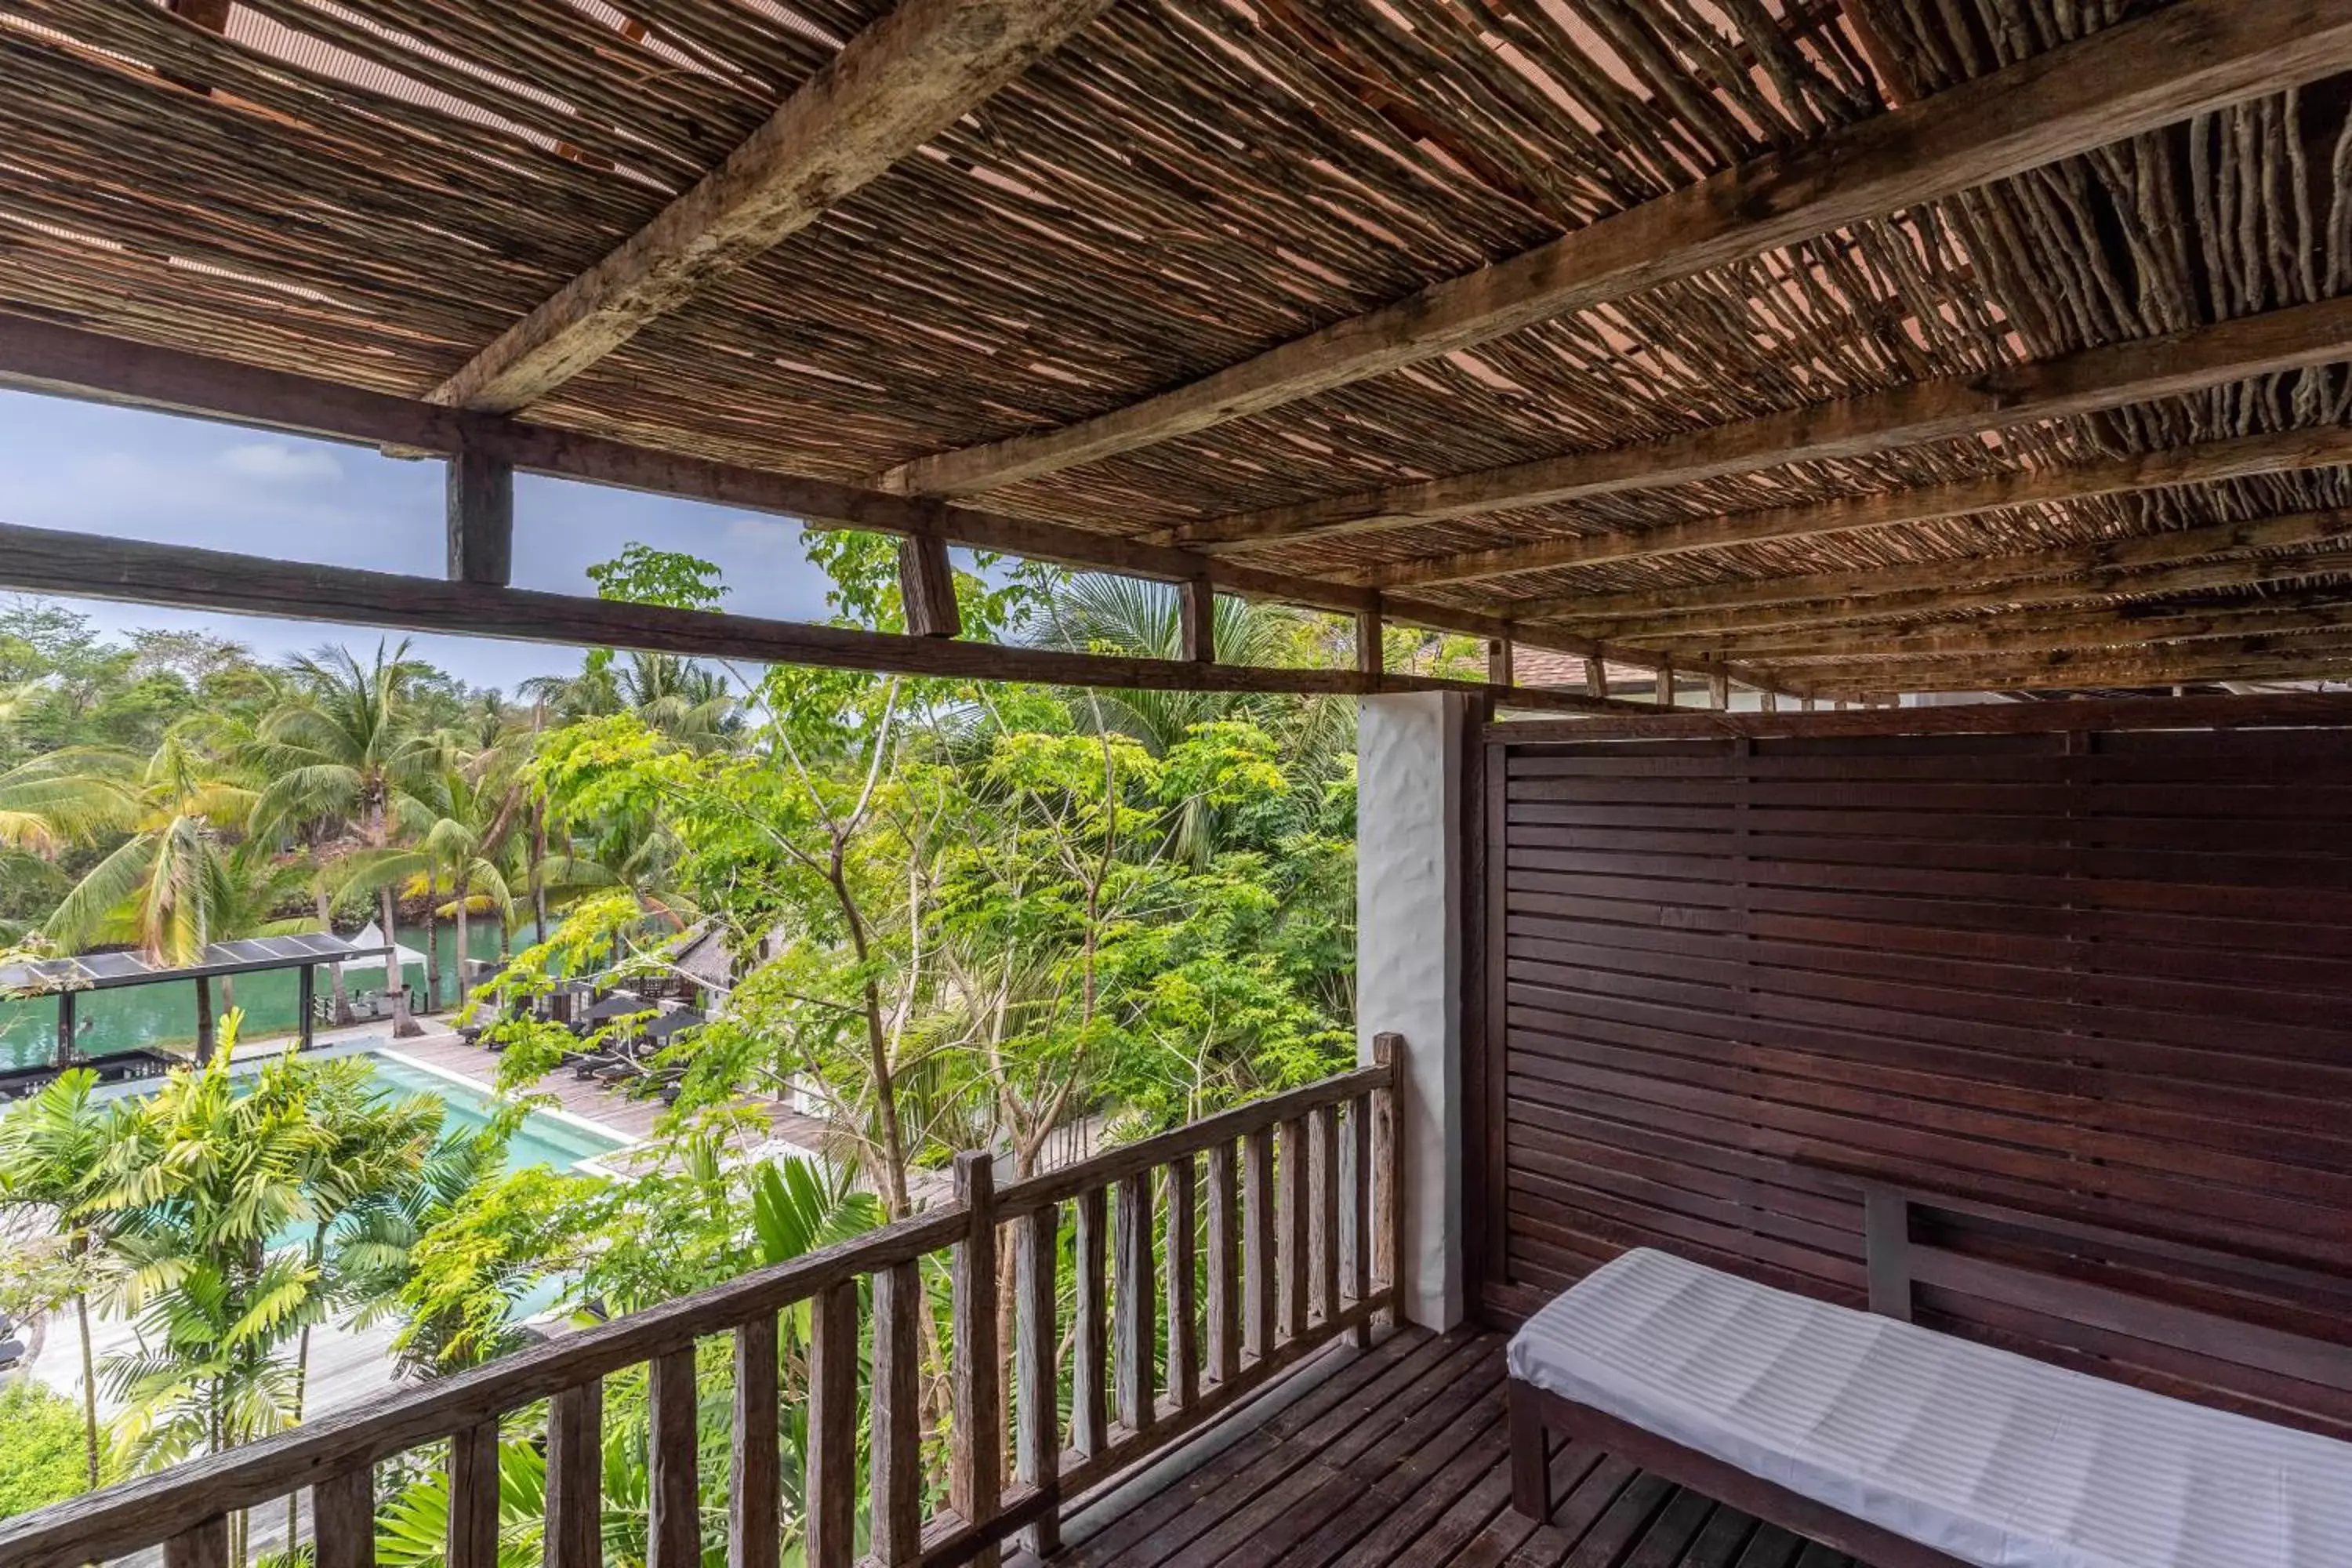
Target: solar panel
{"points": [[101, 970]]}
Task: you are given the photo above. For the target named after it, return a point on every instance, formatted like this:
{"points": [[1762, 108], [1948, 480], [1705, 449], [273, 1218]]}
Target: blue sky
{"points": [[135, 475]]}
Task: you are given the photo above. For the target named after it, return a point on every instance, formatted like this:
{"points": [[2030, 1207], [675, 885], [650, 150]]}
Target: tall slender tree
{"points": [[345, 749], [50, 1149]]}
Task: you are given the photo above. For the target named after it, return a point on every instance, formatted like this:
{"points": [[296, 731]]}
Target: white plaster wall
{"points": [[1409, 934]]}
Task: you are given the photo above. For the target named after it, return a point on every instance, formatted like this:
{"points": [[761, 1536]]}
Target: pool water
{"points": [[554, 1142]]}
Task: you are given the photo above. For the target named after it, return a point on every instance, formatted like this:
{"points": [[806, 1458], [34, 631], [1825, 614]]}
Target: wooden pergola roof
{"points": [[1833, 346]]}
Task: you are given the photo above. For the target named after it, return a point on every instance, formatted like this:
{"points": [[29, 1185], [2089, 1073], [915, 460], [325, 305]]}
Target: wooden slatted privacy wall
{"points": [[2105, 978], [1209, 1261]]}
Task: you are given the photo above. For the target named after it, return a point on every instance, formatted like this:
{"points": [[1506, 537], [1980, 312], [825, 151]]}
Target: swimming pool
{"points": [[559, 1141]]}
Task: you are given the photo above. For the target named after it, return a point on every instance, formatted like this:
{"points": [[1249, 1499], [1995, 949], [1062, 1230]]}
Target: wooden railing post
{"points": [[975, 1471], [204, 1546], [1290, 1172], [1360, 1213], [1183, 1357], [897, 1463], [1387, 1166], [1257, 1242], [575, 1477], [474, 1497], [830, 1483], [673, 1520], [755, 1500], [1323, 1215], [1037, 1453], [1135, 1337], [1224, 1346], [342, 1519], [1090, 1349]]}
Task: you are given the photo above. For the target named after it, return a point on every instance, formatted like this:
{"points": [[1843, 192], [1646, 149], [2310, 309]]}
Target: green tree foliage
{"points": [[962, 916], [41, 1447]]}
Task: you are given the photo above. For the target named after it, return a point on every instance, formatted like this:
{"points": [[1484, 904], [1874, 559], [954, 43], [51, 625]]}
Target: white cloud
{"points": [[272, 463], [764, 532]]}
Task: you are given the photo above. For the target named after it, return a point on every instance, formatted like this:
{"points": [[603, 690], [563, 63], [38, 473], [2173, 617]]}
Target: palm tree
{"points": [[50, 1154], [343, 749], [1144, 620], [225, 1192], [173, 886], [684, 700], [1129, 615], [62, 798]]}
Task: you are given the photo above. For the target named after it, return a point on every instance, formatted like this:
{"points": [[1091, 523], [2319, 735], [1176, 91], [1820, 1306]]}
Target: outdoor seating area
{"points": [[622, 1030], [1853, 923]]}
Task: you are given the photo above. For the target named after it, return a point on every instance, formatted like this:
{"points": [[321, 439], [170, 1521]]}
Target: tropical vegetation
{"points": [[959, 916]]}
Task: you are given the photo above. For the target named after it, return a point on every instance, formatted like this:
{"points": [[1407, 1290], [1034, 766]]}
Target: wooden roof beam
{"points": [[46, 560], [2243, 457], [2307, 656], [1669, 636], [2085, 564], [40, 356], [2180, 561], [2187, 59], [2048, 632], [892, 89], [2085, 383]]}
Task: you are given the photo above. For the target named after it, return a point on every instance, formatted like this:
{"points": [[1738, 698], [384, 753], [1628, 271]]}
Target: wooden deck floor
{"points": [[1400, 1457]]}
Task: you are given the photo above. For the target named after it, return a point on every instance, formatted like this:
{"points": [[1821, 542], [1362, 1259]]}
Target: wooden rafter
{"points": [[2187, 60], [46, 560], [892, 87], [2245, 456], [1932, 587], [2054, 631], [1703, 634], [2076, 384], [2310, 655], [38, 356]]}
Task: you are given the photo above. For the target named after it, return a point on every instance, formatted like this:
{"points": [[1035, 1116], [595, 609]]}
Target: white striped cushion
{"points": [[1992, 1457]]}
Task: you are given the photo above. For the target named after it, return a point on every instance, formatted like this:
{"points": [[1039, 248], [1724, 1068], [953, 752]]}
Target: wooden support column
{"points": [[927, 586], [1665, 684], [1372, 657], [1196, 621], [1498, 661], [481, 520], [1719, 690], [1596, 676]]}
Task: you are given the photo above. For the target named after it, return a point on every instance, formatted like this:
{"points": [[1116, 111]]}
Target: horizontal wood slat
{"points": [[2098, 976]]}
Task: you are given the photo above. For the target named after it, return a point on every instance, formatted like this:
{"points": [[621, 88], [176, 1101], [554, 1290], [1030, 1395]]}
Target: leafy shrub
{"points": [[41, 1447]]}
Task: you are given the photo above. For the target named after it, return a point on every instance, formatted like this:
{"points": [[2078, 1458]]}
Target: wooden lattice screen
{"points": [[2103, 976]]}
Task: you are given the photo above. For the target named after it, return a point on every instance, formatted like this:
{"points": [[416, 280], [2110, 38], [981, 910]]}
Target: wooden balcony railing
{"points": [[1295, 1249]]}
